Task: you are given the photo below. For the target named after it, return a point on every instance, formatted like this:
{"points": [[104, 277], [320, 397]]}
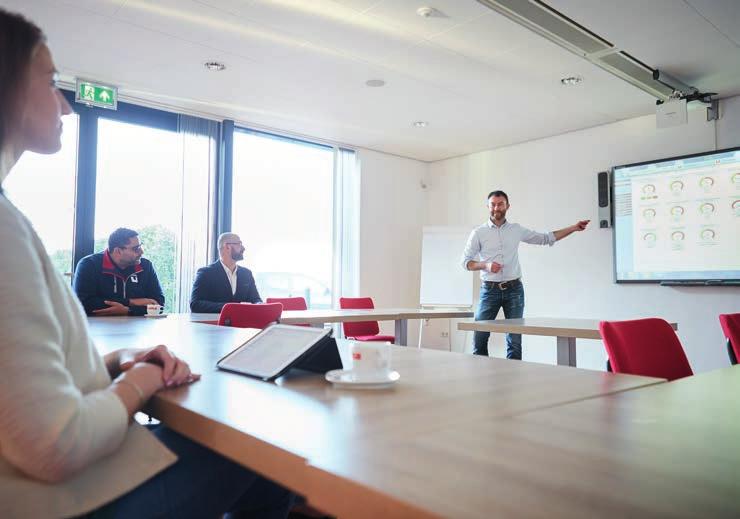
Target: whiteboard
{"points": [[444, 281]]}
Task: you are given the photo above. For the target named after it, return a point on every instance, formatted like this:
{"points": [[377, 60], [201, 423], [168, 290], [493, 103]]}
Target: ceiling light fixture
{"points": [[571, 80], [419, 124], [426, 12], [375, 82], [214, 66]]}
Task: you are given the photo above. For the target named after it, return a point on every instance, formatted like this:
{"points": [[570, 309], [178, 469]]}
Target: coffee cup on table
{"points": [[370, 359], [154, 309]]}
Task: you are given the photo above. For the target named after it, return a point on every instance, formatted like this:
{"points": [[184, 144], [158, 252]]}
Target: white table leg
{"points": [[402, 332], [567, 351]]}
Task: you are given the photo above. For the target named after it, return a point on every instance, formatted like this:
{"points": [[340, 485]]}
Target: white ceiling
{"points": [[480, 80]]}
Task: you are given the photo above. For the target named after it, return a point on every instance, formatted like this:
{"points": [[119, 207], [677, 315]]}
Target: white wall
{"points": [[728, 127], [391, 219], [551, 184]]}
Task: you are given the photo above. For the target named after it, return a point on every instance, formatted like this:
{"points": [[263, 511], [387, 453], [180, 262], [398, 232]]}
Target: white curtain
{"points": [[346, 225], [199, 163]]}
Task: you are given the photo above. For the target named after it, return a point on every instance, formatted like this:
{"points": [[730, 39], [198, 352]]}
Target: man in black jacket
{"points": [[118, 281], [223, 281]]}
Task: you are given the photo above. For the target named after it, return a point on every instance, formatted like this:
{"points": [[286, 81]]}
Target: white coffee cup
{"points": [[154, 309], [370, 359]]}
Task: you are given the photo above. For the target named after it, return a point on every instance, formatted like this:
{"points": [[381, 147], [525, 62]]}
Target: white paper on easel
{"points": [[444, 281]]}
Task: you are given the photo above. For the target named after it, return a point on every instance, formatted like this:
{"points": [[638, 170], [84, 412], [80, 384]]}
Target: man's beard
{"points": [[237, 256]]}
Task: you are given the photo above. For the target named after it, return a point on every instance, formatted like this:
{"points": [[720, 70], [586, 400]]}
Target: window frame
{"points": [[87, 159], [127, 112]]}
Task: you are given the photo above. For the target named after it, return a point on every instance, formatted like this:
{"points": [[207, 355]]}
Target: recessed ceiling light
{"points": [[426, 11], [571, 80], [419, 124], [375, 82], [214, 66]]}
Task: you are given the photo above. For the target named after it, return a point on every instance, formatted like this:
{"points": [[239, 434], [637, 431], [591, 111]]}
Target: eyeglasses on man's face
{"points": [[235, 243], [136, 248]]}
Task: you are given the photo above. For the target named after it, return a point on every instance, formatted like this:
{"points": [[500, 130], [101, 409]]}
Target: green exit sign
{"points": [[95, 94]]}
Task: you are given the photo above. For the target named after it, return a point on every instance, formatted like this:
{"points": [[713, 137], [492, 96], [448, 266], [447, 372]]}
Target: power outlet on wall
{"points": [[444, 334]]}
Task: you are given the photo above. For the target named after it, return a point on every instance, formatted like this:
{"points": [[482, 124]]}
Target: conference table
{"points": [[319, 318], [566, 331], [667, 450], [303, 433]]}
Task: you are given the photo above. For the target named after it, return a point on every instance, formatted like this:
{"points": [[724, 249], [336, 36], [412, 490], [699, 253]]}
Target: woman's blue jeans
{"points": [[201, 484]]}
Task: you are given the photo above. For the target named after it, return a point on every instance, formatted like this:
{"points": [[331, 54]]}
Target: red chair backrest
{"points": [[361, 328], [647, 347], [249, 316], [731, 327], [289, 303]]}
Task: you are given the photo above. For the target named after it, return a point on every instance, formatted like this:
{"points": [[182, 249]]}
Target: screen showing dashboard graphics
{"points": [[678, 219]]}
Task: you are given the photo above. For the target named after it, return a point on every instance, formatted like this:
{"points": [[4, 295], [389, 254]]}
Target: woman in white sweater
{"points": [[68, 444]]}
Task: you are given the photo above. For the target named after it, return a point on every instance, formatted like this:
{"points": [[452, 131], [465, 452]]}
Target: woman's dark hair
{"points": [[18, 39]]}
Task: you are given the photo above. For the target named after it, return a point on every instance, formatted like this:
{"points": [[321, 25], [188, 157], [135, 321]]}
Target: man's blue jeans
{"points": [[493, 298], [201, 484]]}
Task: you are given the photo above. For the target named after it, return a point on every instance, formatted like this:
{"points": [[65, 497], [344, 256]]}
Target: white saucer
{"points": [[348, 379], [157, 316]]}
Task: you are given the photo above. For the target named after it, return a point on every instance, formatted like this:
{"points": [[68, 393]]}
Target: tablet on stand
{"points": [[281, 347]]}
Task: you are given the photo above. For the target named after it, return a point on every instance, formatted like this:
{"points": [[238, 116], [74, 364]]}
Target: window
{"points": [[283, 210], [139, 186], [155, 172], [43, 188]]}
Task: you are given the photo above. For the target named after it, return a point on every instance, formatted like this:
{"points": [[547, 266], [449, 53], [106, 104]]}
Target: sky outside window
{"points": [[43, 188], [282, 208], [139, 186]]}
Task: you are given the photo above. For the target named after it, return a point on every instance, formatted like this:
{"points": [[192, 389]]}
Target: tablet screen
{"points": [[272, 350]]}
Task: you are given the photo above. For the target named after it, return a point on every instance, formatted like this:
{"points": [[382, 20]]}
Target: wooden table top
{"points": [[669, 450], [339, 316], [373, 314], [279, 428], [551, 326]]}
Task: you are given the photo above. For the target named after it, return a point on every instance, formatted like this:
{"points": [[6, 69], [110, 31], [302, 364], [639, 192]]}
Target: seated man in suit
{"points": [[223, 281], [118, 281]]}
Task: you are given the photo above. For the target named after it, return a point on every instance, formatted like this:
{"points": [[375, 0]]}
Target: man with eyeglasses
{"points": [[224, 281], [118, 281]]}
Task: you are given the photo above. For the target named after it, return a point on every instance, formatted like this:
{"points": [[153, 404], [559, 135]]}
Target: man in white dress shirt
{"points": [[493, 248]]}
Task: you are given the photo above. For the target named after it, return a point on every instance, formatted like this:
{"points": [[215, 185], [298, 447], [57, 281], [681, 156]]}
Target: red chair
{"points": [[731, 327], [364, 330], [290, 303], [249, 316], [647, 347]]}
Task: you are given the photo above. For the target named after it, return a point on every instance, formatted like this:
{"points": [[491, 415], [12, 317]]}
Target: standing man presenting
{"points": [[493, 248]]}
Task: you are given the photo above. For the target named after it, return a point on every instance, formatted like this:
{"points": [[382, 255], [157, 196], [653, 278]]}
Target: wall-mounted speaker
{"points": [[604, 190]]}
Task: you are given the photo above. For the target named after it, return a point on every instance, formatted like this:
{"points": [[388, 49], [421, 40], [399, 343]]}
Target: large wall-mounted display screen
{"points": [[678, 219]]}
